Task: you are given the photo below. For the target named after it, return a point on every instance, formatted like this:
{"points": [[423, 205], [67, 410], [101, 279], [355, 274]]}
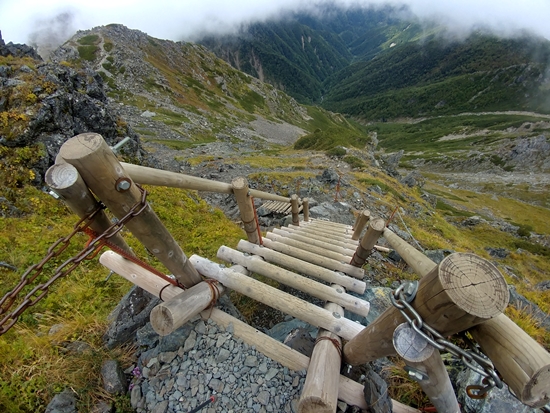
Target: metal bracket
{"points": [[416, 374]]}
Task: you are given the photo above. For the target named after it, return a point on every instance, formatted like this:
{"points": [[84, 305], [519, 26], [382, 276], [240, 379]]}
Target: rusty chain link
{"points": [[55, 250], [401, 299]]}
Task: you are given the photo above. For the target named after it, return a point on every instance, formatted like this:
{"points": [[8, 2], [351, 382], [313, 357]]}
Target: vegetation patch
{"points": [[89, 40], [88, 52]]}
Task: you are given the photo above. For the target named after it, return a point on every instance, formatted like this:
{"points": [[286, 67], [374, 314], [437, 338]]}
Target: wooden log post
{"points": [[102, 172], [246, 208], [523, 363], [360, 224], [368, 242], [277, 299], [65, 180], [320, 391], [425, 359], [257, 265], [295, 204], [462, 291], [175, 312], [303, 267], [305, 205]]}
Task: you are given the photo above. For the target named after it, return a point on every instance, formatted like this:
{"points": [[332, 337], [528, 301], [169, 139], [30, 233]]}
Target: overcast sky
{"points": [[21, 20]]}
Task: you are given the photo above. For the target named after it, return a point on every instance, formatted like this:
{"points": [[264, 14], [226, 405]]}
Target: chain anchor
{"points": [[472, 358]]}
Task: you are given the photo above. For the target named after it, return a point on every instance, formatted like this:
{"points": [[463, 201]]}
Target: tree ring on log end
{"points": [[474, 284], [410, 345]]}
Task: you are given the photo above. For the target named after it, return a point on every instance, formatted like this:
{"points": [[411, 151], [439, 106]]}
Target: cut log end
{"points": [[410, 345], [162, 320], [61, 176], [536, 392], [314, 405], [474, 284], [81, 145]]}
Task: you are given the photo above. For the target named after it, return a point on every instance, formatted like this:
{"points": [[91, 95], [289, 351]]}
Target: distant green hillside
{"points": [[482, 73], [299, 52]]}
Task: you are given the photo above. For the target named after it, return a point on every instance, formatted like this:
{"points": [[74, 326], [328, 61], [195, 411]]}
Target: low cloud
{"points": [[51, 23]]}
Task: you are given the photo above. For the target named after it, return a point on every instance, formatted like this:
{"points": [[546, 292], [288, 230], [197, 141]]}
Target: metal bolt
{"points": [[336, 315], [339, 290], [123, 184], [416, 374], [54, 194]]}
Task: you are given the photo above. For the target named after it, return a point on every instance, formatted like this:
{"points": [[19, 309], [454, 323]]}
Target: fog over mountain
{"points": [[50, 23]]}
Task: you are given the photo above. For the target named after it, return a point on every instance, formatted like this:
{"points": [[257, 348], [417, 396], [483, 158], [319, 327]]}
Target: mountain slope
{"points": [[482, 73], [299, 51], [180, 94]]}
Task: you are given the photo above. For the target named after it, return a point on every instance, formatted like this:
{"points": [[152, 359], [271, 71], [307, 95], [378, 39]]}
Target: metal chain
{"points": [[55, 250], [401, 299]]}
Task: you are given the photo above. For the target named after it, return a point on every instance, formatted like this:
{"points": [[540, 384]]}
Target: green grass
{"points": [[32, 367], [88, 40], [88, 52]]}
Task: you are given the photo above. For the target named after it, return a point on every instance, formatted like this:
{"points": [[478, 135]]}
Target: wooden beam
{"points": [[349, 391], [65, 180], [175, 312], [463, 291], [349, 244], [307, 247], [348, 252], [315, 259], [103, 173], [523, 363], [419, 263], [257, 265], [320, 391], [303, 267], [368, 242], [246, 208], [423, 357], [360, 224], [152, 176], [277, 299]]}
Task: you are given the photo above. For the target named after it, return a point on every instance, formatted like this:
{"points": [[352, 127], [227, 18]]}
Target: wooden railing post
{"points": [[523, 363], [246, 208], [365, 247], [360, 223], [320, 391], [305, 205], [425, 359], [463, 291], [294, 202], [103, 173], [65, 180]]}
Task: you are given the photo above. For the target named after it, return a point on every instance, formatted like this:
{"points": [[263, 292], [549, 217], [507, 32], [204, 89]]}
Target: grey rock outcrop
{"points": [[17, 50]]}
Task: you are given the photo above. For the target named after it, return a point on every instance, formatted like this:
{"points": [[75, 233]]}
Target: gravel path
{"points": [[213, 362]]}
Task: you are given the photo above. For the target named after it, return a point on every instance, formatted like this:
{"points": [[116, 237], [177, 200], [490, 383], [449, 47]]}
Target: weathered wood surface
{"points": [[320, 391], [368, 242], [305, 207], [349, 244], [463, 291], [303, 267], [105, 176], [295, 209], [257, 265], [349, 391], [307, 247], [246, 209], [523, 363], [360, 224], [422, 356], [65, 180], [175, 312], [152, 176], [348, 252], [314, 258], [277, 299]]}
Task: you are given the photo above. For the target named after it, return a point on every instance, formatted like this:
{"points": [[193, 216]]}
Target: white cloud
{"points": [[179, 19]]}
